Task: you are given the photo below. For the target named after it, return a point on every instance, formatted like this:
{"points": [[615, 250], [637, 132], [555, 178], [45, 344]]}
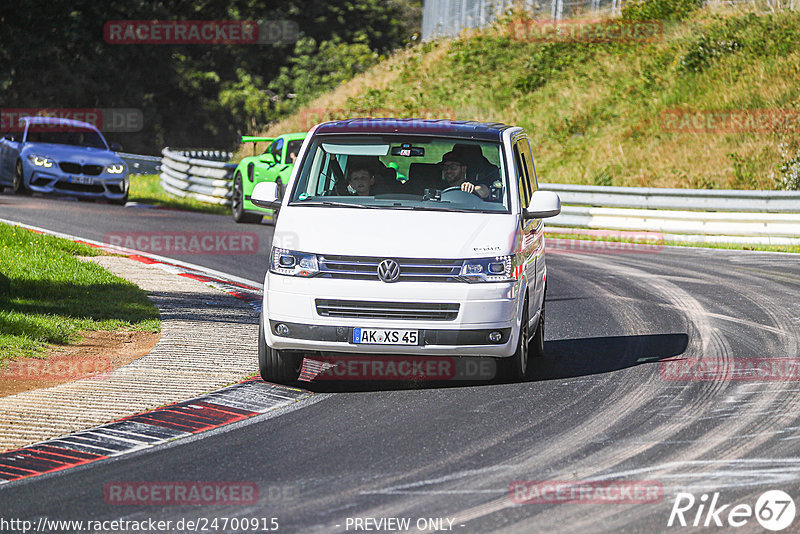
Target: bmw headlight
{"points": [[497, 269], [41, 161], [115, 169], [291, 263]]}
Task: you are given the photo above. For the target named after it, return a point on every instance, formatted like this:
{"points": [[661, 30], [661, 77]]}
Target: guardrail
{"points": [[139, 164], [185, 174], [689, 215]]}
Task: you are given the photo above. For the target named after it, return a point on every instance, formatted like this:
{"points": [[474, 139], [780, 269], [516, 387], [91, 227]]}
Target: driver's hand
{"points": [[469, 187]]}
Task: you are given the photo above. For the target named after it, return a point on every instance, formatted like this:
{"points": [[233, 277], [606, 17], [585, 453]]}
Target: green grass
{"points": [[597, 112], [54, 296], [728, 246], [147, 190]]}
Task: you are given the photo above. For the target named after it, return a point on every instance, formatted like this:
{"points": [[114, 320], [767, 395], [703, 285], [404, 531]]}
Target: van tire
{"points": [[276, 365], [536, 349], [516, 367]]}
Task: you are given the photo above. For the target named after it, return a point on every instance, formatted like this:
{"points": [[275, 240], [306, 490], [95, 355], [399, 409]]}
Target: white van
{"points": [[407, 237]]}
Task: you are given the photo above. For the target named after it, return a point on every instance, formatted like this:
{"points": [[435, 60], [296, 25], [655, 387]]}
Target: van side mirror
{"points": [[265, 195], [543, 204], [116, 147], [11, 137]]}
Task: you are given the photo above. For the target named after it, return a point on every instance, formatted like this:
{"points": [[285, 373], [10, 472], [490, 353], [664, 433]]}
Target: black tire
{"points": [[516, 367], [120, 201], [19, 181], [537, 343], [237, 204], [276, 365]]}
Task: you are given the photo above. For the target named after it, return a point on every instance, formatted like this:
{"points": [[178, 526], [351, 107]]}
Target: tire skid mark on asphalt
{"points": [[703, 338], [148, 429], [730, 442], [595, 427]]}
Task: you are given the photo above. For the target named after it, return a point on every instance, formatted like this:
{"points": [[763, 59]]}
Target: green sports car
{"points": [[274, 165]]}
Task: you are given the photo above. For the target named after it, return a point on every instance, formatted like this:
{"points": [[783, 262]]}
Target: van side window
{"points": [[533, 182], [522, 175]]}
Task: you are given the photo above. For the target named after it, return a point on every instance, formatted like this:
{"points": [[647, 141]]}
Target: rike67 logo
{"points": [[774, 510]]}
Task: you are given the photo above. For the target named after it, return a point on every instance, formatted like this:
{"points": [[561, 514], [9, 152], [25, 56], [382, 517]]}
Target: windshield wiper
{"points": [[333, 204], [427, 208]]}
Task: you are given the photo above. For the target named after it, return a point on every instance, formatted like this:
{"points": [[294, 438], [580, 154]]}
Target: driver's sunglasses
{"points": [[451, 165]]}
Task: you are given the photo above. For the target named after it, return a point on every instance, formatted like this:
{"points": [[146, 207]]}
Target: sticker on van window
{"points": [[408, 151]]}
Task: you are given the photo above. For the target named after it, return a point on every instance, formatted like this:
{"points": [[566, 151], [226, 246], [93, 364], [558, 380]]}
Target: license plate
{"points": [[380, 336], [85, 180]]}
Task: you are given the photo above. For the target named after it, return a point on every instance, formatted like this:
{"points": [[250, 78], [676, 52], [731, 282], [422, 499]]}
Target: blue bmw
{"points": [[54, 155]]}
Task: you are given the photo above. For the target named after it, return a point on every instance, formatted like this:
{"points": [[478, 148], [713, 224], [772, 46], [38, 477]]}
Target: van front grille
{"points": [[364, 309], [411, 269]]}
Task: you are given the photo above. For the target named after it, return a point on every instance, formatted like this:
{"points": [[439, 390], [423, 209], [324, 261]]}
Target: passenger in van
{"points": [[454, 174], [361, 179]]}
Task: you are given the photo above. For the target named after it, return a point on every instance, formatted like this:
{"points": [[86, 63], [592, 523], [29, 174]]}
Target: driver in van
{"points": [[454, 174]]}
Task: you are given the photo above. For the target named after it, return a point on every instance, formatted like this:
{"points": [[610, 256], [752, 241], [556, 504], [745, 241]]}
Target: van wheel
{"points": [[19, 181], [516, 367], [537, 343], [237, 203], [276, 365]]}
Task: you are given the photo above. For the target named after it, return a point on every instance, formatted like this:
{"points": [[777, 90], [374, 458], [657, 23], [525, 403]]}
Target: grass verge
{"points": [[53, 295], [147, 190]]}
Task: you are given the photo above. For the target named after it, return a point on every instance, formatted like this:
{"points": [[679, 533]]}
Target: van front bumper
{"points": [[482, 309]]}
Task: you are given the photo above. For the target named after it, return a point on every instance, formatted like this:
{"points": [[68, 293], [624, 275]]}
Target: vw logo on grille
{"points": [[388, 271]]}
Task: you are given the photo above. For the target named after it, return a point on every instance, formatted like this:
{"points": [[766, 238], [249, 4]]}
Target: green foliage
{"points": [[316, 68], [753, 35], [744, 171], [54, 56], [546, 61], [788, 176], [668, 10]]}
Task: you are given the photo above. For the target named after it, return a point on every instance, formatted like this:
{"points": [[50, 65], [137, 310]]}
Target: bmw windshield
{"points": [[403, 172]]}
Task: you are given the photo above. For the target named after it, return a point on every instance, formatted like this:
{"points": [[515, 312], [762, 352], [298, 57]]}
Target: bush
{"points": [[671, 10], [788, 176]]}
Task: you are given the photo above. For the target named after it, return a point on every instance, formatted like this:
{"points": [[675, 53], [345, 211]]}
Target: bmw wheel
{"points": [[19, 186]]}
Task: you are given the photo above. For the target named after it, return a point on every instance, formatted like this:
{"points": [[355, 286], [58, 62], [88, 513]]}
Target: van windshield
{"points": [[401, 172]]}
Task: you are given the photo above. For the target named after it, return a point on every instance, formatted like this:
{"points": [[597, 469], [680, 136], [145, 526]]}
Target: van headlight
{"points": [[291, 263], [497, 269], [115, 169]]}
